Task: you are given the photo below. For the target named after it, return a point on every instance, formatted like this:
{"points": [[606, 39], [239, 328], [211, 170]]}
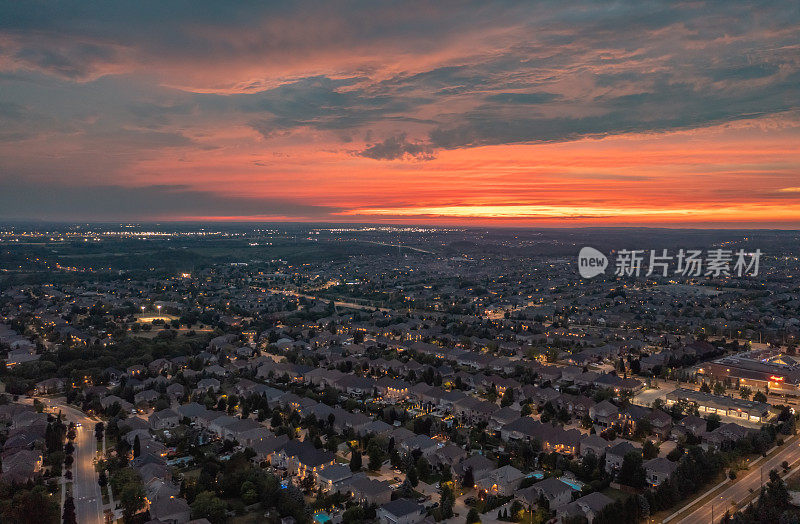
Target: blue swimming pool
{"points": [[574, 484], [321, 518], [536, 474]]}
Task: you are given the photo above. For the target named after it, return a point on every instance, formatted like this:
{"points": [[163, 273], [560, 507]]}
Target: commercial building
{"points": [[732, 407], [747, 370]]}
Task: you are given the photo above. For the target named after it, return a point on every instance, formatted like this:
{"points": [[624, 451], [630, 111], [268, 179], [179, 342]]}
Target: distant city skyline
{"points": [[486, 114]]}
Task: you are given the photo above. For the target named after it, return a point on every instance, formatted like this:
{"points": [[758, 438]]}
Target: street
{"points": [[85, 490], [741, 489]]}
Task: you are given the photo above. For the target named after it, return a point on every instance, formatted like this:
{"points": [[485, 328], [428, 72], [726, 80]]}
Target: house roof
{"points": [[551, 487], [660, 465], [621, 449], [164, 507], [605, 408], [335, 472], [307, 454], [402, 507]]}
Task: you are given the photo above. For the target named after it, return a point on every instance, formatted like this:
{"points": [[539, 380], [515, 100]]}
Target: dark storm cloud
{"points": [[745, 72], [320, 102], [75, 62], [665, 107], [397, 147]]}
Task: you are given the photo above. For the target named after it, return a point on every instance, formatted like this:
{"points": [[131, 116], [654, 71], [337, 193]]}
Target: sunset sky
{"points": [[495, 113]]}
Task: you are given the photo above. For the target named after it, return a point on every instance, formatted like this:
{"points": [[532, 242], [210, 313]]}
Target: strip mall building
{"points": [[732, 407], [758, 375]]}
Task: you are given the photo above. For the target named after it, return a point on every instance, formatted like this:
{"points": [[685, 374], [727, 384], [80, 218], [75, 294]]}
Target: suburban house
{"points": [[658, 470], [401, 511], [616, 454], [587, 507], [604, 414], [331, 477], [501, 481], [366, 490], [301, 458], [166, 418], [556, 492]]}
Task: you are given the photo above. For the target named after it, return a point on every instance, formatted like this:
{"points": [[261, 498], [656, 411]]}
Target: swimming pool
{"points": [[574, 484], [537, 475], [322, 518]]}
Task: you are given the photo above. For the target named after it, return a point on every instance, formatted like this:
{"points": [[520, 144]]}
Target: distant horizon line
{"points": [[167, 222]]}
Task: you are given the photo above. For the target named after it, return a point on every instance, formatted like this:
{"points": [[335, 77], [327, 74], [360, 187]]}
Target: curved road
{"points": [[85, 489]]}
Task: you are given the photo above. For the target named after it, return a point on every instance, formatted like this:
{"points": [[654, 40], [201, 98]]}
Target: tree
{"points": [[713, 422], [354, 515], [209, 506], [423, 468], [705, 388], [473, 517], [131, 499], [355, 461], [759, 397], [508, 398], [413, 477], [32, 506], [632, 473], [649, 450], [643, 428], [446, 503], [377, 453], [137, 447], [745, 392], [54, 436], [249, 496], [777, 494], [469, 478], [69, 517], [406, 490], [99, 428]]}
